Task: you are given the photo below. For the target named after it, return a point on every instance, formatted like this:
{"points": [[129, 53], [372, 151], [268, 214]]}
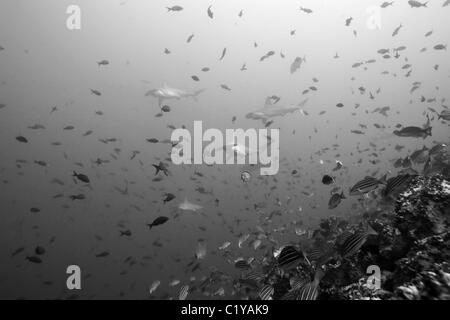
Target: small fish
{"points": [[77, 197], [224, 51], [225, 87], [200, 253], [338, 165], [161, 167], [34, 259], [353, 242], [103, 63], [210, 13], [397, 30], [164, 108], [306, 10], [37, 127], [242, 239], [184, 291], [296, 64], [22, 139], [96, 92], [396, 185], [168, 197], [195, 78], [266, 292], [174, 8], [126, 233], [82, 177], [189, 39], [241, 265], [154, 286], [440, 47], [39, 250], [414, 132], [386, 4], [225, 245], [289, 258], [102, 254], [310, 290], [157, 222], [87, 133], [366, 185], [327, 179], [417, 4], [335, 200], [17, 251], [174, 283], [348, 21]]}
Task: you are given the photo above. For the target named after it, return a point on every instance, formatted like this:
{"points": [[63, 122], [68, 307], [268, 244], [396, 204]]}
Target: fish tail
{"points": [[74, 174], [425, 4], [196, 94], [342, 195], [370, 230], [168, 9], [428, 131], [383, 179]]}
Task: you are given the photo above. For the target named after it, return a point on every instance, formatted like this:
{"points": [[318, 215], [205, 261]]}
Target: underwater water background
{"points": [[43, 64]]}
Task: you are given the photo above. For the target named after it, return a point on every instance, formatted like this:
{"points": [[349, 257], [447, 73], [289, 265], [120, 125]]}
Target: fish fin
{"points": [[370, 230], [383, 179], [196, 94], [268, 102], [302, 104]]}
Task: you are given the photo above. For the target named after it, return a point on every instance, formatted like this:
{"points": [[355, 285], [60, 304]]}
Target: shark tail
{"points": [[197, 93]]}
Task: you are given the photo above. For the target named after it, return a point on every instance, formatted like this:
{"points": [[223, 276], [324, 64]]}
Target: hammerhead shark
{"points": [[167, 92]]}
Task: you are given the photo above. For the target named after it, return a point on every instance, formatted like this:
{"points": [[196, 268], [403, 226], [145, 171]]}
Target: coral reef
{"points": [[412, 249]]}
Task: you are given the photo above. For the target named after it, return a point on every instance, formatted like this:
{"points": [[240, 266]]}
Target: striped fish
{"points": [[396, 185], [353, 242], [254, 275], [184, 291], [296, 282], [366, 185], [320, 256], [266, 292], [310, 290], [289, 258], [242, 265], [291, 295]]}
